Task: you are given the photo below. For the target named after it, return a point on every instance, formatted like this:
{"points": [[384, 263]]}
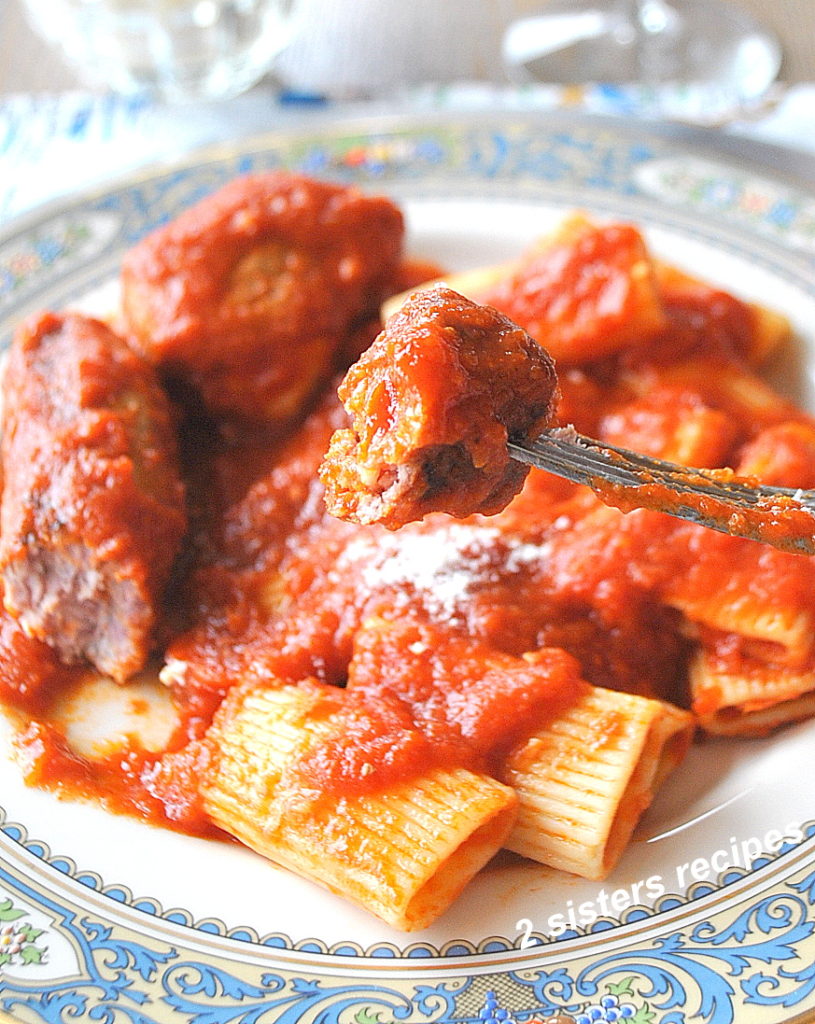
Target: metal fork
{"points": [[718, 499]]}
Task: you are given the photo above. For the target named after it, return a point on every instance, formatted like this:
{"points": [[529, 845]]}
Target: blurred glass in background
{"points": [[706, 61], [699, 60], [179, 50], [696, 57], [356, 49]]}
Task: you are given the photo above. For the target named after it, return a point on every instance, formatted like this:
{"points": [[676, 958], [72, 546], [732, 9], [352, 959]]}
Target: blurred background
{"points": [[749, 71], [28, 65]]}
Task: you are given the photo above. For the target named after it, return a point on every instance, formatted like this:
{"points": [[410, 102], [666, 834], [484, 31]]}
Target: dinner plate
{"points": [[710, 915]]}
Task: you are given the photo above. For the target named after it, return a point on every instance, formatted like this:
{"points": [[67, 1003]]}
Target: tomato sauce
{"points": [[131, 781], [29, 669], [271, 264], [421, 696], [589, 293], [421, 633]]}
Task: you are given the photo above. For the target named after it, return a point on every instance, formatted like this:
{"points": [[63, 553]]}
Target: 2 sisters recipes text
{"points": [[390, 650]]}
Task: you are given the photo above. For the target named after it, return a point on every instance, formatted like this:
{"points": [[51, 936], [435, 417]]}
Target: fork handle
{"points": [[715, 498]]}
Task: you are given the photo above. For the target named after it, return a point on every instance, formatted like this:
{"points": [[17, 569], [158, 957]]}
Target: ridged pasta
{"points": [[584, 780], [785, 631], [403, 853], [750, 700]]}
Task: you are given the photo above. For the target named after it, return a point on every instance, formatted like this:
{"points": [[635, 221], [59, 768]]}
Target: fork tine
{"points": [[716, 499]]}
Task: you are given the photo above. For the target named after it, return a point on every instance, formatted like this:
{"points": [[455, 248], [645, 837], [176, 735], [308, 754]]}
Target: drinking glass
{"points": [[711, 51], [178, 49]]}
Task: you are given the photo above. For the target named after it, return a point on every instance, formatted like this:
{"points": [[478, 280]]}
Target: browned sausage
{"points": [[92, 511], [250, 295]]}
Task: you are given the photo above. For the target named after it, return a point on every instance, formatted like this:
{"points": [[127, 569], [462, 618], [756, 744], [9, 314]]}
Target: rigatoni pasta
{"points": [[748, 697], [786, 631], [585, 779], [403, 852]]}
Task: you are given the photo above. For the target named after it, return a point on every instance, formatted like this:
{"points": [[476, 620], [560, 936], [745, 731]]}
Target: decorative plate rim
{"points": [[781, 163], [490, 945]]}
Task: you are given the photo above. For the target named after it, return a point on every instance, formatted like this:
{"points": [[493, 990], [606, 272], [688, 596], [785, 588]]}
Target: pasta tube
{"points": [[585, 778], [403, 852], [750, 699]]}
